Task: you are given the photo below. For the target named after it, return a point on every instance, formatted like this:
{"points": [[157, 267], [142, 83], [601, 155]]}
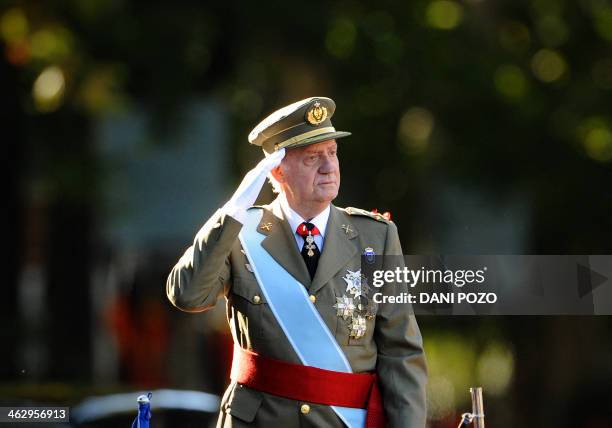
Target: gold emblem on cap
{"points": [[316, 114]]}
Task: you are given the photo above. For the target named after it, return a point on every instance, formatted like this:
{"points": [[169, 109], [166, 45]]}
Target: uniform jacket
{"points": [[216, 266]]}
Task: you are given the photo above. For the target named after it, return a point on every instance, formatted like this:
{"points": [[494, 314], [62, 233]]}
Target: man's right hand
{"points": [[246, 194]]}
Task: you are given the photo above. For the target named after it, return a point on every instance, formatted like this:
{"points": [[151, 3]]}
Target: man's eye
{"points": [[313, 158]]}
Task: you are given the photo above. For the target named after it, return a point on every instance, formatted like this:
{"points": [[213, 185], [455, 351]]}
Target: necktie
{"points": [[310, 251]]}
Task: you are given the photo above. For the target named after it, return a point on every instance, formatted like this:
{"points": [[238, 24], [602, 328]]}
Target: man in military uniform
{"points": [[311, 346]]}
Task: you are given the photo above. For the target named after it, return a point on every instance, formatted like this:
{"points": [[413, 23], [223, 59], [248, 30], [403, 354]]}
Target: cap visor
{"points": [[319, 138]]}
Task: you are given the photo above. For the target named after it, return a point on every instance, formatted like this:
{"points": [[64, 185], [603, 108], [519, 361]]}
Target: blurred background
{"points": [[483, 126]]}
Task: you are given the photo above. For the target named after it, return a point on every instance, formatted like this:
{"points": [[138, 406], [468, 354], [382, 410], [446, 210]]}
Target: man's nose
{"points": [[327, 165]]}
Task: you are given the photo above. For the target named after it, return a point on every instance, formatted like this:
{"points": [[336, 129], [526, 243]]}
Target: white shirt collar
{"points": [[294, 219]]}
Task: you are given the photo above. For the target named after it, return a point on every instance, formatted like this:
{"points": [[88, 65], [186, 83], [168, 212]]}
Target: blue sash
{"points": [[308, 334]]}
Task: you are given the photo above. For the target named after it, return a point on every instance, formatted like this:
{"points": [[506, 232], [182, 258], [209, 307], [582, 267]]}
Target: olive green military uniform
{"points": [[215, 266]]}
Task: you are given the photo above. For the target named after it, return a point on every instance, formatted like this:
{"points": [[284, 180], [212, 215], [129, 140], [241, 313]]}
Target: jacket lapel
{"points": [[280, 243], [337, 248]]}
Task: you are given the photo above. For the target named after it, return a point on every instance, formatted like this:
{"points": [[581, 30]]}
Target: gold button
{"points": [[305, 409], [313, 298], [256, 299]]}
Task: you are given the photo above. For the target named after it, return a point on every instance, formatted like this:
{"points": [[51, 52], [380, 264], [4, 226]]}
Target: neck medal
{"points": [[310, 245]]}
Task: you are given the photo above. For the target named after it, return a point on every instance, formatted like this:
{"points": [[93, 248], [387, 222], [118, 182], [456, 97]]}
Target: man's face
{"points": [[311, 173]]}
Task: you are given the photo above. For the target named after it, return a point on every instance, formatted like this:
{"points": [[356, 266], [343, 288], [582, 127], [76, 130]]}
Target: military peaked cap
{"points": [[299, 124]]}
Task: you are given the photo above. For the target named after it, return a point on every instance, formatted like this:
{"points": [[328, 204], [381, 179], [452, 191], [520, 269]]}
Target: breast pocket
{"points": [[248, 299]]}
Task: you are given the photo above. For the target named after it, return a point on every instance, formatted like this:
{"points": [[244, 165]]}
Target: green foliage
{"points": [[499, 97]]}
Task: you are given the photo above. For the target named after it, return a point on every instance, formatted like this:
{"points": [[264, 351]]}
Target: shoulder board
{"points": [[359, 211]]}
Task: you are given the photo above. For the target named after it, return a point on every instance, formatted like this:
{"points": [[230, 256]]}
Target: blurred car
{"points": [[169, 408]]}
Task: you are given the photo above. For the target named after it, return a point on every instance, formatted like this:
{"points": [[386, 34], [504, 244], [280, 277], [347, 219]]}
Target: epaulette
{"points": [[359, 211]]}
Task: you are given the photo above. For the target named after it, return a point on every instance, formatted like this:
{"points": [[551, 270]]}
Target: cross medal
{"points": [[310, 246]]}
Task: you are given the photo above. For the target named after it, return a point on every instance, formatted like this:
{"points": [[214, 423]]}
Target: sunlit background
{"points": [[484, 127]]}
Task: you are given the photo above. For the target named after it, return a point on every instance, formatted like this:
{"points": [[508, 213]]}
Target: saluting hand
{"points": [[246, 194]]}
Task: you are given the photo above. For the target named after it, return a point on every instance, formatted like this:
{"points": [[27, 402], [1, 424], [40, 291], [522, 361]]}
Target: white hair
{"points": [[276, 187]]}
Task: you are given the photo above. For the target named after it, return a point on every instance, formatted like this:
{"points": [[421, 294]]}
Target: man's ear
{"points": [[278, 175]]}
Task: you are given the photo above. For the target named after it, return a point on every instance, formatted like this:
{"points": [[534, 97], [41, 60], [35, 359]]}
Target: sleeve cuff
{"points": [[237, 213]]}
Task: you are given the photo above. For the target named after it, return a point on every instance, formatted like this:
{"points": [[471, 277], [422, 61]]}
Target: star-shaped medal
{"points": [[353, 282], [345, 306], [358, 327]]}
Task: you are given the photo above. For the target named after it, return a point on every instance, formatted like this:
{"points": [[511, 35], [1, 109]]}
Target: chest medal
{"points": [[355, 307]]}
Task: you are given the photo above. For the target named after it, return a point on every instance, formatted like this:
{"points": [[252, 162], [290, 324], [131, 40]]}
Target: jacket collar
{"points": [[294, 219], [280, 244]]}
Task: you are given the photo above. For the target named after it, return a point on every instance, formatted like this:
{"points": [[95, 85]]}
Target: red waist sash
{"points": [[311, 384]]}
